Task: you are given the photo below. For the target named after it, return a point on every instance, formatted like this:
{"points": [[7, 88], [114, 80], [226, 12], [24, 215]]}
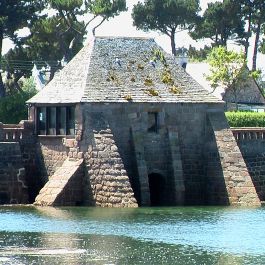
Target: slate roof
{"points": [[122, 69]]}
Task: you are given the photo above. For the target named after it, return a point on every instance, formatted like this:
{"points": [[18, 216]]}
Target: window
{"points": [[153, 122], [41, 124], [56, 120]]}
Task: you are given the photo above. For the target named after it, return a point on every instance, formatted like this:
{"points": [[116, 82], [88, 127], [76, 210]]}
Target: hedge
{"points": [[246, 119]]}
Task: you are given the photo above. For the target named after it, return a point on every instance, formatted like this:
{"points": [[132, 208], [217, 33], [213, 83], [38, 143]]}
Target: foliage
{"points": [[12, 107], [245, 119], [220, 21], [70, 10], [167, 17], [228, 69], [194, 54], [51, 39], [15, 15]]}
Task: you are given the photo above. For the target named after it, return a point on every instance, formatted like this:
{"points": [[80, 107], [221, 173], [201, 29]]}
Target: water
{"points": [[192, 235]]}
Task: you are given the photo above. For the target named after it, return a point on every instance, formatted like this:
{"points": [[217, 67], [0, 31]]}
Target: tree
{"points": [[221, 21], [228, 69], [13, 108], [15, 15], [51, 40], [70, 10], [57, 37], [253, 13], [258, 19], [167, 17]]}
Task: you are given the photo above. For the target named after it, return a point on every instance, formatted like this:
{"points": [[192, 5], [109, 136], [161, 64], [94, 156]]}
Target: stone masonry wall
{"points": [[51, 153], [23, 133], [228, 178], [251, 142], [189, 120], [13, 186], [108, 182]]}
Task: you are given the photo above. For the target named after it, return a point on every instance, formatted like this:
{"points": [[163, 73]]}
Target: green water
{"points": [[192, 235]]}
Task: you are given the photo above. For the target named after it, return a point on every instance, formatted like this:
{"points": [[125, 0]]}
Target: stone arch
{"points": [[156, 187]]}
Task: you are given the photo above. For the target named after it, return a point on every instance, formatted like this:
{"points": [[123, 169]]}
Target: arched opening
{"points": [[156, 188]]}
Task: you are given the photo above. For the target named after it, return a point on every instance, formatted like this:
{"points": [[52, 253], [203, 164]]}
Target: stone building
{"points": [[249, 95], [123, 125]]}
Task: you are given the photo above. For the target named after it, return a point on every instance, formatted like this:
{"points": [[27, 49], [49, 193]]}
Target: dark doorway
{"points": [[156, 187]]}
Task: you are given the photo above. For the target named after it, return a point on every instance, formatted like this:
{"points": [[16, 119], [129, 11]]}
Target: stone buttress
{"points": [[228, 179], [109, 183]]}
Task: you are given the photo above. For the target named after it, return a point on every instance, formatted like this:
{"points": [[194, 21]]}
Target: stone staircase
{"points": [[65, 186]]}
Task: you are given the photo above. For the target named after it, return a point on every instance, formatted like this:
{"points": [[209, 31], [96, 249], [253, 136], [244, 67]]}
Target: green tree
{"points": [[221, 21], [15, 15], [13, 108], [51, 40], [71, 10], [227, 69], [167, 16]]}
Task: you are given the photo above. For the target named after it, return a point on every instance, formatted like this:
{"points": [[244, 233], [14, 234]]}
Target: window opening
{"points": [[70, 120], [56, 120], [41, 122], [61, 120], [51, 115]]}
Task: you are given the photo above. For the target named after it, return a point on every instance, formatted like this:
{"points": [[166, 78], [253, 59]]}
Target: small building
{"points": [[123, 125], [248, 97]]}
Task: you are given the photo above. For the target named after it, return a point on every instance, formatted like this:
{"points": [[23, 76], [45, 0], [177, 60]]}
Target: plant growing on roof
{"points": [[166, 77], [152, 92], [148, 81], [175, 90], [128, 97]]}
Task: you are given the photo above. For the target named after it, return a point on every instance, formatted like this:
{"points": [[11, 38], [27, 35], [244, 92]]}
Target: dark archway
{"points": [[156, 187]]}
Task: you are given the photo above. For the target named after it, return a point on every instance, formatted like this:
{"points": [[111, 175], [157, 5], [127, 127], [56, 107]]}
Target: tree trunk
{"points": [[2, 87], [173, 44], [254, 58], [246, 45]]}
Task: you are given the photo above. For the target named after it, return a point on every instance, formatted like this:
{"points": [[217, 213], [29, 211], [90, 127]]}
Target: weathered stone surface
{"points": [[13, 185], [107, 177], [64, 187], [235, 184]]}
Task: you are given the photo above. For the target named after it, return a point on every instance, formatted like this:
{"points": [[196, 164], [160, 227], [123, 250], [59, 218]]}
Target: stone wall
{"points": [[23, 133], [228, 179], [51, 153], [251, 142], [65, 187], [129, 126], [13, 186]]}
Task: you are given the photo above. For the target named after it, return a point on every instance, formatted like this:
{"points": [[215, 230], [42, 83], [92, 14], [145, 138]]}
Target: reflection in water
{"points": [[220, 236]]}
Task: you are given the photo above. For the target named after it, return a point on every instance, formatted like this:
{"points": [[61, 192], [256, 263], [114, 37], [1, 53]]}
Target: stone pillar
{"points": [[137, 138], [176, 165]]}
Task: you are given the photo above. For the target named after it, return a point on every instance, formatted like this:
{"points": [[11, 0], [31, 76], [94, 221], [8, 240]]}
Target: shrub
{"points": [[245, 119]]}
